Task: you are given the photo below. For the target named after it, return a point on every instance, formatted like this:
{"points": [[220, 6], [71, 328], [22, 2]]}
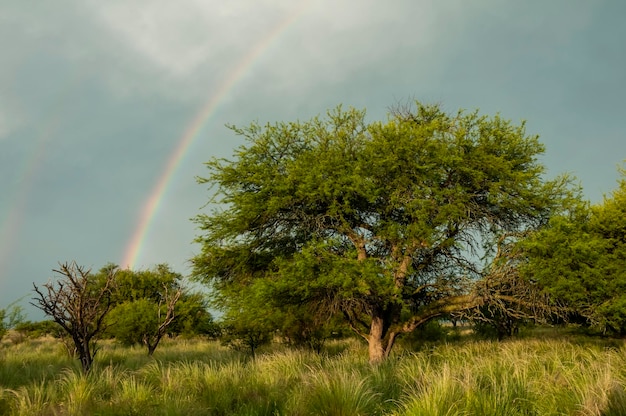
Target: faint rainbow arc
{"points": [[151, 206], [27, 174], [10, 226]]}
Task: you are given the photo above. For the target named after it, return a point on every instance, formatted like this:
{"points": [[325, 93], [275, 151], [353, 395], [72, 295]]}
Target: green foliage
{"points": [[39, 329], [301, 327], [431, 333], [246, 329], [131, 321], [131, 285], [142, 299], [192, 317], [580, 257], [243, 336], [15, 316], [11, 318], [260, 317], [496, 326], [375, 222]]}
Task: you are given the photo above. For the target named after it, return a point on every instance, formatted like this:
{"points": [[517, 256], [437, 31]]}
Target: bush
{"points": [[240, 337], [39, 329], [130, 322], [431, 332]]}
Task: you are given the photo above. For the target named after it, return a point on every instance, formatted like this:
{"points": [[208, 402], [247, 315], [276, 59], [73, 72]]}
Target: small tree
{"points": [[244, 336], [10, 318], [145, 305], [165, 316], [79, 304], [247, 328]]}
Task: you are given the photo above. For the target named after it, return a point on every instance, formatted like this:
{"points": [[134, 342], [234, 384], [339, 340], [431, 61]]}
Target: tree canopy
{"points": [[580, 258], [147, 304], [383, 223]]}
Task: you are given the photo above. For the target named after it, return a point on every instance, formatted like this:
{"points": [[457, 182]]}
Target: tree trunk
{"points": [[152, 347], [381, 338], [375, 340], [86, 358], [152, 343]]}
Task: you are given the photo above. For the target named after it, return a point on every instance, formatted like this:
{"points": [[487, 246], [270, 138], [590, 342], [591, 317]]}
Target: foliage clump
{"points": [[150, 304], [580, 259]]}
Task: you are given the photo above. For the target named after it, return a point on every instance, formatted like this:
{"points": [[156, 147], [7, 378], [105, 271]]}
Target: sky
{"points": [[109, 109]]}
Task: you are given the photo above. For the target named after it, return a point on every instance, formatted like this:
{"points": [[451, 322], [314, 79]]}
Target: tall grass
{"points": [[556, 376], [526, 377]]}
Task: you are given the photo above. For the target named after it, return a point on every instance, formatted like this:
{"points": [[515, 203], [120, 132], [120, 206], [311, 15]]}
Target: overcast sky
{"points": [[95, 97]]}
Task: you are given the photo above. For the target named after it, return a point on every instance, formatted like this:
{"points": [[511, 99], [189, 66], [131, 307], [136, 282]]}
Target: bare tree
{"points": [[79, 304]]}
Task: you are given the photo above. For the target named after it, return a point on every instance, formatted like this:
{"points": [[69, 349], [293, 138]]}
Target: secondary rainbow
{"points": [[151, 206], [26, 175]]}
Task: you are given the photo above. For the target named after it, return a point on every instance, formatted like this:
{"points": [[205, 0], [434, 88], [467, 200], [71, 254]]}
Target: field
{"points": [[545, 374]]}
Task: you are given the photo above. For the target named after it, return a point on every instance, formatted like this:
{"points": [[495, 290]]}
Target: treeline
{"points": [[391, 225], [338, 226], [133, 307]]}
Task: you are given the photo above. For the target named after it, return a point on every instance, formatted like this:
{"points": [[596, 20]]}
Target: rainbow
{"points": [[10, 226], [151, 205]]}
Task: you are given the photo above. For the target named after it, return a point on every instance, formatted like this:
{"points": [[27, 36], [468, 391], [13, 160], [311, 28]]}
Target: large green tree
{"points": [[382, 223], [580, 258]]}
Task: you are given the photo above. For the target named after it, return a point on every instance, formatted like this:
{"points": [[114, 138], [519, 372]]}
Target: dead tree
{"points": [[79, 304]]}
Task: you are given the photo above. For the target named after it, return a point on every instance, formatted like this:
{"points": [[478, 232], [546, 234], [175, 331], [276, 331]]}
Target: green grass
{"points": [[550, 375]]}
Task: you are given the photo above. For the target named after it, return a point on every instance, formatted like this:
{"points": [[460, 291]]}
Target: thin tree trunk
{"points": [[391, 339], [152, 344], [152, 348]]}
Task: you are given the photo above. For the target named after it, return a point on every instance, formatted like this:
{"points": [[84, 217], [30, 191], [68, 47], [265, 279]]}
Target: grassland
{"points": [[541, 375]]}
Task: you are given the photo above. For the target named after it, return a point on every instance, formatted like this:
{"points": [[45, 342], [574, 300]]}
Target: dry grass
{"points": [[553, 376]]}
